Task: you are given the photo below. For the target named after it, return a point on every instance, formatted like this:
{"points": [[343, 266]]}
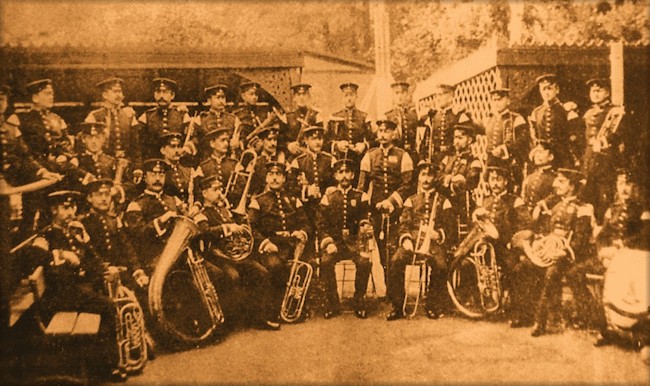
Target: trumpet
{"points": [[297, 286]]}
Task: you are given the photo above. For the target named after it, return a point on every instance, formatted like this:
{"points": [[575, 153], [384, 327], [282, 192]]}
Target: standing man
{"points": [[302, 117], [218, 163], [251, 114], [178, 179], [404, 115], [555, 123], [507, 134], [437, 138], [348, 133], [441, 232], [386, 175], [279, 224], [604, 144], [163, 118], [345, 230], [215, 118], [121, 124]]}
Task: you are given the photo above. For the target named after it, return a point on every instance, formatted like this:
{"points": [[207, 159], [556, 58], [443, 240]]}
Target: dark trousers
{"points": [[436, 292], [278, 269], [328, 275]]}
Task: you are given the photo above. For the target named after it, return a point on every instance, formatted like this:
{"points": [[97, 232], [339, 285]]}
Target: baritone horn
{"points": [[297, 286], [131, 333]]}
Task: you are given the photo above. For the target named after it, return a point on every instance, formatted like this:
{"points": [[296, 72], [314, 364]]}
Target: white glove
{"points": [[331, 249], [407, 245]]}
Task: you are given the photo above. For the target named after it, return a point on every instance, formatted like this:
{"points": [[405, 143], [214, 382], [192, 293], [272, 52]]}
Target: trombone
{"points": [[245, 168]]}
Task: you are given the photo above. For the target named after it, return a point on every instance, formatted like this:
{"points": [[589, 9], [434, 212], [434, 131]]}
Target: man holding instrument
{"points": [[302, 117], [216, 118], [346, 232], [279, 225], [427, 218]]}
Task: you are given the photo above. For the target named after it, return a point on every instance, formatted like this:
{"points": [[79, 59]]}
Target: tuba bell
{"points": [[131, 333], [297, 286], [170, 290]]}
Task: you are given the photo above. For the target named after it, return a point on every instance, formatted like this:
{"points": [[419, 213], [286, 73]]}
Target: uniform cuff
{"points": [[443, 236]]}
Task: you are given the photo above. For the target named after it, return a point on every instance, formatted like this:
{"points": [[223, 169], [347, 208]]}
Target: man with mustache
{"points": [[163, 118], [120, 121], [268, 152], [416, 214], [344, 227], [279, 223], [302, 117], [218, 163], [251, 114], [148, 218], [215, 118]]}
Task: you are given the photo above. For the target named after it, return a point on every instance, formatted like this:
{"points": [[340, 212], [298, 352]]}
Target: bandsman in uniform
{"points": [[148, 218], [216, 222], [215, 118], [441, 231], [386, 175], [626, 225], [602, 153], [251, 114], [349, 130], [441, 121], [74, 276], [268, 139], [279, 223], [572, 220], [539, 184], [120, 121], [107, 233], [302, 117], [404, 115], [218, 163], [509, 215], [163, 118], [507, 134], [555, 123], [345, 230], [178, 179], [460, 175]]}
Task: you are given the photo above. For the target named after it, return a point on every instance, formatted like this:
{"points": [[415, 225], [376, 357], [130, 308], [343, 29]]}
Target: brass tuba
{"points": [[297, 286], [131, 333], [171, 292], [482, 229], [545, 251]]}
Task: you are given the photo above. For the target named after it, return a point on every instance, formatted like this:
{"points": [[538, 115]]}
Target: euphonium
{"points": [[297, 286], [545, 251], [131, 336], [184, 230], [481, 230]]}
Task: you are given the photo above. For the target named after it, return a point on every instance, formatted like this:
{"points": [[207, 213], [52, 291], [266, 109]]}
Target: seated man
{"points": [[279, 224], [216, 223], [344, 225], [416, 214], [74, 275]]}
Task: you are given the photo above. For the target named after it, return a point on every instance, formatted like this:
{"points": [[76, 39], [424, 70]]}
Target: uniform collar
{"points": [[218, 158], [603, 104], [111, 107], [339, 188], [464, 152], [500, 195], [386, 149], [216, 112], [152, 193], [569, 199], [428, 193]]}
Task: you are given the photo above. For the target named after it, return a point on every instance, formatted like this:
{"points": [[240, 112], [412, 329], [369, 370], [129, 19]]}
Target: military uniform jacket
{"points": [[215, 221], [177, 181], [571, 217], [350, 125], [45, 133], [339, 214], [157, 121], [251, 117], [223, 168], [272, 212], [508, 214], [417, 211], [109, 240], [99, 165], [594, 120], [141, 219], [60, 275], [508, 129], [407, 127], [317, 168], [555, 123], [537, 186], [258, 182], [18, 164], [208, 121], [121, 131], [441, 123], [389, 171], [464, 164], [628, 222], [297, 120]]}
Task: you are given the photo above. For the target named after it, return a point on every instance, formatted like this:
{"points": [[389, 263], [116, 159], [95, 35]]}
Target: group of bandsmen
{"points": [[332, 185]]}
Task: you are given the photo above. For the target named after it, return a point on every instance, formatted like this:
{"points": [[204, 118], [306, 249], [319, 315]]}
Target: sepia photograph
{"points": [[324, 192]]}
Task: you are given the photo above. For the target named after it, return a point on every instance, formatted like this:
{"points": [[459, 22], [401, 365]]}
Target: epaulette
{"points": [[129, 110]]}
